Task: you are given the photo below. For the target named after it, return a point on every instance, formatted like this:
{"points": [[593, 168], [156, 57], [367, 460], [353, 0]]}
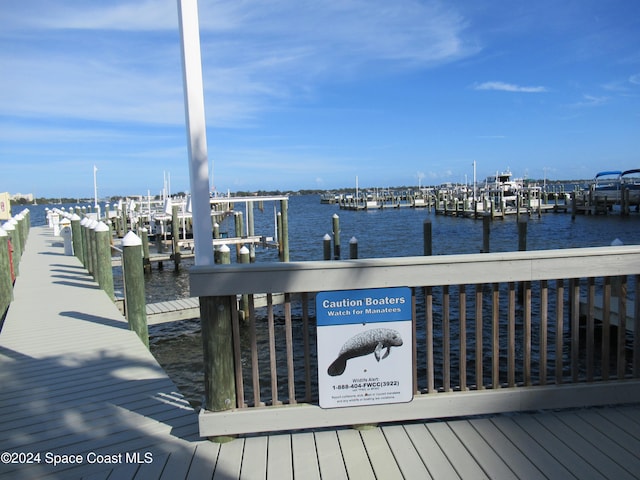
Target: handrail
{"points": [[314, 276]]}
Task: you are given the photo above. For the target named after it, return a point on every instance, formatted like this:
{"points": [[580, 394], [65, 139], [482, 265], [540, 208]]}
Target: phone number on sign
{"points": [[51, 458], [355, 386]]}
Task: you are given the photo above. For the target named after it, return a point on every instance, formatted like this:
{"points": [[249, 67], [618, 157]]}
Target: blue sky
{"points": [[310, 94]]}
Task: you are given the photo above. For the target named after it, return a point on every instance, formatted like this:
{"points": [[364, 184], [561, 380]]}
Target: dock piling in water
{"points": [[353, 248], [336, 236], [427, 231], [326, 246]]}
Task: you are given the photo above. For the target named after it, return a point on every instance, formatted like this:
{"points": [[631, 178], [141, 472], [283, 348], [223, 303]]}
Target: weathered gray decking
{"points": [[75, 380]]}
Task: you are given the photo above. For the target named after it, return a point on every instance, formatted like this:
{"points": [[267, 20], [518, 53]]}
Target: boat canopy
{"points": [[609, 172], [630, 172]]}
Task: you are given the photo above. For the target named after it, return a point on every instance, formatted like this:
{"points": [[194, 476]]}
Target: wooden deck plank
{"points": [[204, 461], [254, 458], [178, 463], [305, 456], [408, 460], [602, 443], [589, 452], [485, 450], [382, 460], [279, 464], [615, 433], [229, 463], [509, 453], [530, 448], [355, 456], [556, 445], [437, 463], [330, 456], [455, 450]]}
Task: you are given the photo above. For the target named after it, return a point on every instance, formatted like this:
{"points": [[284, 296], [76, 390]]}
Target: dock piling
{"points": [[103, 255], [175, 237], [326, 246], [134, 300], [427, 235], [336, 236], [6, 282], [486, 231], [284, 237], [353, 248]]}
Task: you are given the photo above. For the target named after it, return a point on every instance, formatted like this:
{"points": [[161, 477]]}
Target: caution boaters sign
{"points": [[364, 347]]}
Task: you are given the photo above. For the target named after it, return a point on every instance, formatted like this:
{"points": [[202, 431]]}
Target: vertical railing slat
{"points": [[446, 340], [544, 323], [428, 311], [289, 348], [479, 346], [591, 300], [622, 326], [237, 355], [606, 327], [527, 332], [255, 370], [463, 336], [511, 335], [414, 343], [273, 364], [495, 340], [306, 346], [575, 328], [559, 329]]}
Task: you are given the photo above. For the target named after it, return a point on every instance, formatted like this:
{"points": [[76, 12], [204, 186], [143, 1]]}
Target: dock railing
{"points": [[495, 332]]}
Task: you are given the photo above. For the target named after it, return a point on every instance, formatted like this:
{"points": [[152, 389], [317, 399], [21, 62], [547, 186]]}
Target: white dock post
{"points": [[196, 130]]}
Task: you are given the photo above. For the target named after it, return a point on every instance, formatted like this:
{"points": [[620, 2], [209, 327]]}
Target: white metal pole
{"points": [[196, 130], [95, 191]]}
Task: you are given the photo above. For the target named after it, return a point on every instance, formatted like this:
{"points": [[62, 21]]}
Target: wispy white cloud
{"points": [[590, 101], [509, 87]]}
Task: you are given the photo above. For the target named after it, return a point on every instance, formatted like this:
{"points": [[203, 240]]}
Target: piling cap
{"points": [[326, 237], [244, 250], [101, 227], [84, 221], [131, 240], [224, 248], [353, 240], [75, 217], [8, 226]]}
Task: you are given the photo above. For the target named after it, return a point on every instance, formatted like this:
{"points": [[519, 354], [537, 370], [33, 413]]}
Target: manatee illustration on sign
{"points": [[370, 341]]}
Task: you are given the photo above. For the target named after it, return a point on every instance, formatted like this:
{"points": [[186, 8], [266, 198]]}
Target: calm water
{"points": [[380, 233]]}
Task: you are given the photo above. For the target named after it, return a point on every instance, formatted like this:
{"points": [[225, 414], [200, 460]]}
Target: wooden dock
{"points": [[79, 388]]}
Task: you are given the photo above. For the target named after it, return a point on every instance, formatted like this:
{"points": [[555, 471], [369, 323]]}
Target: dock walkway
{"points": [[76, 383]]}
